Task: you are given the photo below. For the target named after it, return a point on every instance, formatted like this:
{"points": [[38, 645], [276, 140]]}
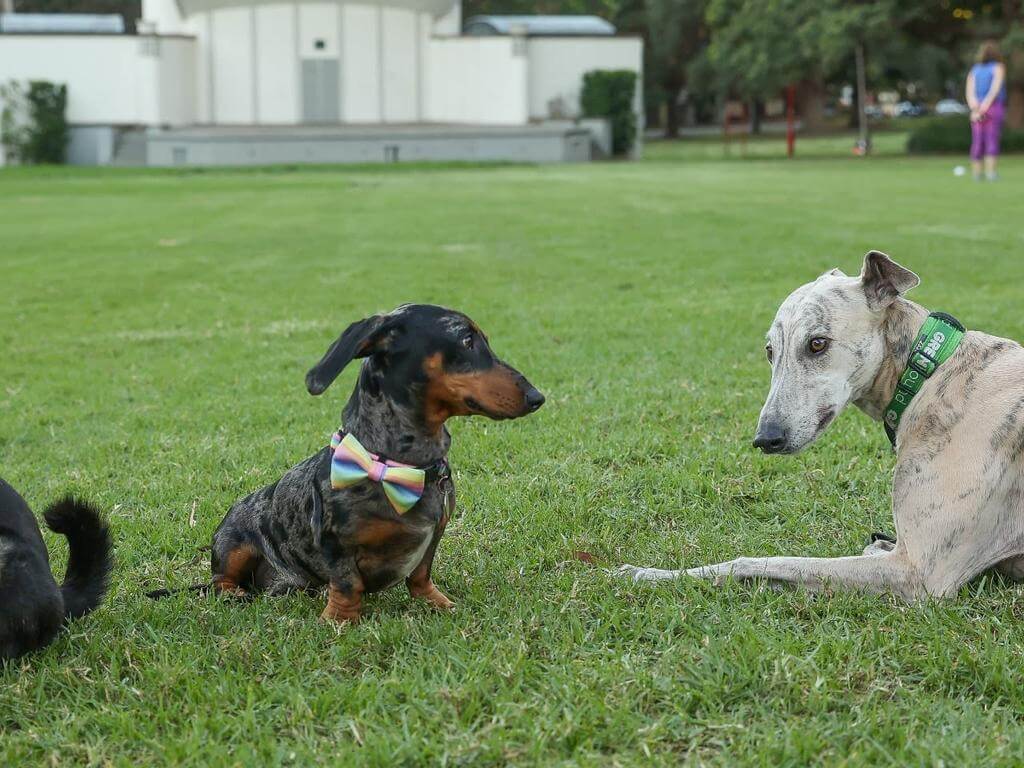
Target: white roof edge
{"points": [[434, 7]]}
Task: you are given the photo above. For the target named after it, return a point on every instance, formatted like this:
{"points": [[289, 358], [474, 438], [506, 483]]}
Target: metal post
{"points": [[790, 120], [864, 140], [6, 6]]}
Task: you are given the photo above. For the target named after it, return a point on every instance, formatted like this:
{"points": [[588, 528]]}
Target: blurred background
{"points": [[234, 82]]}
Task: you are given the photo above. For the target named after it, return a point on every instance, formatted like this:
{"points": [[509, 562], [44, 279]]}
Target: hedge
{"points": [[952, 135], [33, 122], [609, 93]]}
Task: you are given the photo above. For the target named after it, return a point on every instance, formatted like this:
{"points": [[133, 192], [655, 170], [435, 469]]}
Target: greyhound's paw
{"points": [[879, 547], [645, 574]]}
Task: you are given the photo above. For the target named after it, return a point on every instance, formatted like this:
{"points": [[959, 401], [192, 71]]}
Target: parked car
{"points": [[910, 109], [951, 107], [873, 112]]}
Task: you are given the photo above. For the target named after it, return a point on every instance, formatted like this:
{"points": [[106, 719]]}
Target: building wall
{"points": [[477, 80], [233, 66], [557, 66], [277, 66], [249, 64], [360, 64], [111, 79], [401, 43]]}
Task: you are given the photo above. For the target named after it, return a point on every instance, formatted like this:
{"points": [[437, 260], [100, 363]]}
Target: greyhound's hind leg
{"points": [[1012, 567]]}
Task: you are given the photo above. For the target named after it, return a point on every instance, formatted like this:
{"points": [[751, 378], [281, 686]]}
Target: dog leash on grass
{"points": [[938, 339]]}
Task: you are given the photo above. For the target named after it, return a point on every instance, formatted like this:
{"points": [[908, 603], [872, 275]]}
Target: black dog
{"points": [[32, 607], [423, 365]]}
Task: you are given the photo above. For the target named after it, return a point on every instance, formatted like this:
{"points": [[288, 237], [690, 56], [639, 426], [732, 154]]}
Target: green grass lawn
{"points": [[155, 331]]}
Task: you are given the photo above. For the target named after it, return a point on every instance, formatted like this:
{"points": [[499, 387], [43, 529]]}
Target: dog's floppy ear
{"points": [[883, 280], [361, 339]]}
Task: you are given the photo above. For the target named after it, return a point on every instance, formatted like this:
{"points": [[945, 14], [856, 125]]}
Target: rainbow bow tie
{"points": [[351, 464]]}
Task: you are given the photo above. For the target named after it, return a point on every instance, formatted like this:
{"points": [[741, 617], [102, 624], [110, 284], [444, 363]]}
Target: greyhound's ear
{"points": [[360, 339], [883, 280], [837, 272]]}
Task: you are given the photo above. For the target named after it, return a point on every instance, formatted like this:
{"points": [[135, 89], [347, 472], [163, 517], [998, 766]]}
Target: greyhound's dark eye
{"points": [[817, 345], [768, 352], [467, 341]]}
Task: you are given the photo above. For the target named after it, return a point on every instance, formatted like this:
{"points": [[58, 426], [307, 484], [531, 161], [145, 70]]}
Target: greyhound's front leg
{"points": [[883, 572]]}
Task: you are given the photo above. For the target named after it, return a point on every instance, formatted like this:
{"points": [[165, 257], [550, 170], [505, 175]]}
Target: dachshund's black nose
{"points": [[534, 399], [771, 438]]}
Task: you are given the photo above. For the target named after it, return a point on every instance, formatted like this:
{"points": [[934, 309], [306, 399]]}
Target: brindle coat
{"points": [[424, 364], [958, 489]]}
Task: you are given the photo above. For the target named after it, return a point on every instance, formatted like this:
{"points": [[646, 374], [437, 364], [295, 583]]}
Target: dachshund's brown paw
{"points": [[434, 596]]}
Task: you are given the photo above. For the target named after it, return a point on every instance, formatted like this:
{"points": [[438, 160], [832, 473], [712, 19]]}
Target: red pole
{"points": [[790, 120]]}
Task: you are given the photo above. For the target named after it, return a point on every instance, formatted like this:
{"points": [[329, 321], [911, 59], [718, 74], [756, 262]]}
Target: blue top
{"points": [[983, 76]]}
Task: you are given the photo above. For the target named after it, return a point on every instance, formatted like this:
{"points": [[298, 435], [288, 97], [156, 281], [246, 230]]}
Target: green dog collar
{"points": [[936, 342]]}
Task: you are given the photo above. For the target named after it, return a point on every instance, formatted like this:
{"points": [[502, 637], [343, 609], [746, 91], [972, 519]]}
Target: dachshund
{"points": [[369, 510]]}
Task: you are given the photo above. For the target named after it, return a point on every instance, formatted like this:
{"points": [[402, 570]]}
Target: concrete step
{"points": [[130, 148]]}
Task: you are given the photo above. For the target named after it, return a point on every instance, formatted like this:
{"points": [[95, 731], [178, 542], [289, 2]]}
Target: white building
{"points": [[236, 81]]}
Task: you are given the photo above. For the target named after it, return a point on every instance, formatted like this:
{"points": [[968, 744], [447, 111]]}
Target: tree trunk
{"points": [[1014, 90], [672, 85], [755, 117], [1015, 106], [810, 104], [862, 87], [671, 118]]}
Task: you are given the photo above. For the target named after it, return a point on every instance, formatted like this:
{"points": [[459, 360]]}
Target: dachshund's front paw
{"points": [[434, 597], [340, 618], [342, 608]]}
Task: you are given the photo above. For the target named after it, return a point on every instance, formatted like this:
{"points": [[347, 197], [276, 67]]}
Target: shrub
{"points": [[33, 123], [952, 135], [14, 125], [610, 93], [48, 140]]}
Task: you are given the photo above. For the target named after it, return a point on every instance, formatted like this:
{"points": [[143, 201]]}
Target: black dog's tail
{"points": [[90, 561]]}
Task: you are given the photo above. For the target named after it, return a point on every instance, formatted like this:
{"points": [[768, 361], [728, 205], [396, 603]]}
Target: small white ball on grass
{"points": [[959, 170]]}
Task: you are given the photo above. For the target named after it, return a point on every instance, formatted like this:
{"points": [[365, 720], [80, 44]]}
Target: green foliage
{"points": [[610, 93], [759, 46], [129, 9], [32, 122], [14, 127], [48, 134], [952, 135]]}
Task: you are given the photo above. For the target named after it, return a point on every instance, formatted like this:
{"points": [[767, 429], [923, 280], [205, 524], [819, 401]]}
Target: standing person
{"points": [[986, 96]]}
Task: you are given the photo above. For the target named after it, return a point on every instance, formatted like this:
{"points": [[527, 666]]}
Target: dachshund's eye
{"points": [[817, 345], [769, 353], [467, 341]]}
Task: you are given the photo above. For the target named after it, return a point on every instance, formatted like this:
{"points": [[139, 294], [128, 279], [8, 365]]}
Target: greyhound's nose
{"points": [[534, 399], [771, 438]]}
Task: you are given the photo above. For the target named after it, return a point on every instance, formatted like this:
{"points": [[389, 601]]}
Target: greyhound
{"points": [[958, 488]]}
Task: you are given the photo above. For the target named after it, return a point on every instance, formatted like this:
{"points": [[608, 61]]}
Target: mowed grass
{"points": [[155, 331]]}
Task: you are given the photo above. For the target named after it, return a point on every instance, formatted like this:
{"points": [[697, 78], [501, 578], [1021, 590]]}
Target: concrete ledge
{"points": [[258, 145]]}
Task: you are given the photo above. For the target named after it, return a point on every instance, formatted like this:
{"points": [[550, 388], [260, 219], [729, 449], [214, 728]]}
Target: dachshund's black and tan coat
{"points": [[423, 364]]}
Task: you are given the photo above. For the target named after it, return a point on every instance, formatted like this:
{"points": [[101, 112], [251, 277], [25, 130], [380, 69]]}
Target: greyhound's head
{"points": [[826, 347]]}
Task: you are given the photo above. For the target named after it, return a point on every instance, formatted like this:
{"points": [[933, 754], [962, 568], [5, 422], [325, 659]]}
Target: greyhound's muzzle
{"points": [[772, 437]]}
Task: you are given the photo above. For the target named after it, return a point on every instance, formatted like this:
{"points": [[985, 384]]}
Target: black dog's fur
{"points": [[423, 365], [32, 607]]}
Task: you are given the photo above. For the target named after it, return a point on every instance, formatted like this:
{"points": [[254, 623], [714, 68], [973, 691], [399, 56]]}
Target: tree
{"points": [[131, 10], [759, 47], [674, 34]]}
